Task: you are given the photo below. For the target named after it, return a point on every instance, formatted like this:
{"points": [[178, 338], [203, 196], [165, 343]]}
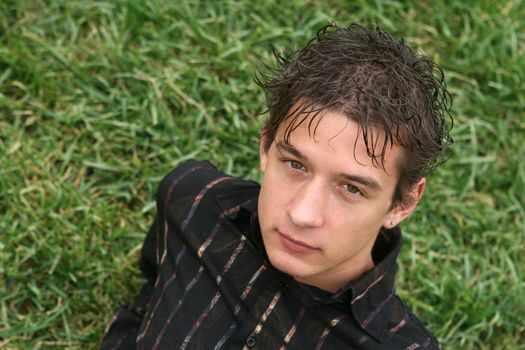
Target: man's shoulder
{"points": [[195, 181], [190, 172]]}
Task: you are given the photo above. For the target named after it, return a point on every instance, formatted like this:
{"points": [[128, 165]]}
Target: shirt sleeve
{"points": [[175, 193]]}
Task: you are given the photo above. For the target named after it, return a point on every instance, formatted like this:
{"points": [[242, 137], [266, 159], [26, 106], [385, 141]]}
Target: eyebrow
{"points": [[363, 180], [366, 181], [282, 146]]}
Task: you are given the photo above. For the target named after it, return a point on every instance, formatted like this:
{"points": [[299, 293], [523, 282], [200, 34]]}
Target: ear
{"points": [[401, 211], [263, 154]]}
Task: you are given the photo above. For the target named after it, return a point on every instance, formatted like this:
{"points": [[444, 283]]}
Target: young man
{"points": [[307, 260]]}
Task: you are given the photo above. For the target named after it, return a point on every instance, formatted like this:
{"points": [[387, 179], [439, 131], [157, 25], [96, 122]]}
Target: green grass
{"points": [[99, 99]]}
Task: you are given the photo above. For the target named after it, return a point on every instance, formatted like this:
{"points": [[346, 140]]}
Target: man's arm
{"points": [[180, 184]]}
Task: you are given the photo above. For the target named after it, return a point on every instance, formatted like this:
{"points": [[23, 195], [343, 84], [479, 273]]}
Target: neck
{"points": [[334, 281]]}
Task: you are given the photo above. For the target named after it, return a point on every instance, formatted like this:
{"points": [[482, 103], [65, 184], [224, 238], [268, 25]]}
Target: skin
{"points": [[322, 202]]}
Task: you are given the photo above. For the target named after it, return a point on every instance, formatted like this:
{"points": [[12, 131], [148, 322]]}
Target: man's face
{"points": [[323, 202]]}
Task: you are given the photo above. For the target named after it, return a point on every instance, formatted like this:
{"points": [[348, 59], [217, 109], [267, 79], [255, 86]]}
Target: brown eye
{"points": [[352, 189]]}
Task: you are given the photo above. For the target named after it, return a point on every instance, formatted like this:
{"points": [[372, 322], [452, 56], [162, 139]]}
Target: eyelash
{"points": [[356, 191]]}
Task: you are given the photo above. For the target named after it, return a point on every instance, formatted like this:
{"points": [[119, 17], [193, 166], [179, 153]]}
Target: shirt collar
{"points": [[246, 198], [372, 295]]}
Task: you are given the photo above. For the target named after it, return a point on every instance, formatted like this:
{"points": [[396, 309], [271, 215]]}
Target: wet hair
{"points": [[376, 81]]}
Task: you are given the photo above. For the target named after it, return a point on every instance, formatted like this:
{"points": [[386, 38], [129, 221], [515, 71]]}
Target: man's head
{"points": [[357, 120], [376, 81]]}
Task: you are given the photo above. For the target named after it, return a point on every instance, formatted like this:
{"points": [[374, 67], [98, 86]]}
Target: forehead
{"points": [[332, 135]]}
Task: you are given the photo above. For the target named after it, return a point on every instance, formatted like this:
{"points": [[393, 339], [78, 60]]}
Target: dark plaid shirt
{"points": [[211, 286]]}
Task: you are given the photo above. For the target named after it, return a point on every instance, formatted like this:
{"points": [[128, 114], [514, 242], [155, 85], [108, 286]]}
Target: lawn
{"points": [[100, 99]]}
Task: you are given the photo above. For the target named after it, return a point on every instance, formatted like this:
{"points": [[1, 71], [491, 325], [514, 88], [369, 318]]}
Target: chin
{"points": [[287, 264]]}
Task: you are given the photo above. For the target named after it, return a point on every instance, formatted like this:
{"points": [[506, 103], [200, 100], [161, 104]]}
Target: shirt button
{"points": [[250, 342]]}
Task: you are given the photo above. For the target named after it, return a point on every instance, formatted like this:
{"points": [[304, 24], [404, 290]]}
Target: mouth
{"points": [[295, 245]]}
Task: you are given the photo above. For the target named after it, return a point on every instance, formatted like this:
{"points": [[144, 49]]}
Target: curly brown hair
{"points": [[376, 81]]}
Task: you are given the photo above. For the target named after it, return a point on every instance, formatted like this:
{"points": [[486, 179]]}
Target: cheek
{"points": [[276, 193], [355, 220], [276, 183], [270, 198]]}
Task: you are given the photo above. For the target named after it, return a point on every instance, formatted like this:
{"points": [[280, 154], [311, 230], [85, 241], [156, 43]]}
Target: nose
{"points": [[306, 209]]}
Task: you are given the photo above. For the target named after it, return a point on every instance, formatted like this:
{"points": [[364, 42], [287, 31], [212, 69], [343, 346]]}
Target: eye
{"points": [[294, 164], [352, 189]]}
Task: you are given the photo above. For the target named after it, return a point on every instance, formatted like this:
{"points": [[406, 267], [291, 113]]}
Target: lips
{"points": [[295, 245]]}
